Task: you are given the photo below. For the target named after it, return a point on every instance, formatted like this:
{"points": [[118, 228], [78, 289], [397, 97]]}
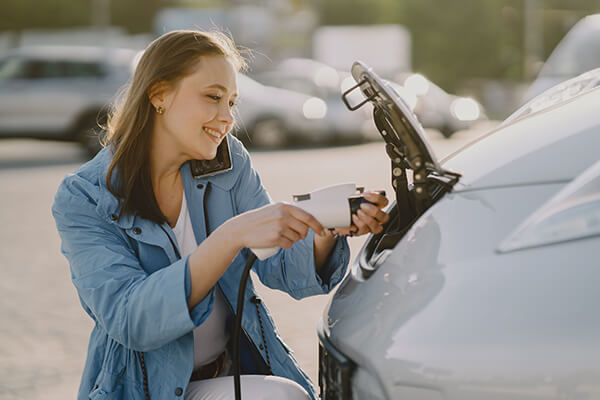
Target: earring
{"points": [[160, 110]]}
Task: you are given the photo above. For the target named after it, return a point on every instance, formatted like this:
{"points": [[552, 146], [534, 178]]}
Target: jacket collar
{"points": [[108, 205], [223, 180]]}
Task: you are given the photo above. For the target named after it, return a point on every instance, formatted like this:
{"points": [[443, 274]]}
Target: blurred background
{"points": [[456, 63], [461, 65]]}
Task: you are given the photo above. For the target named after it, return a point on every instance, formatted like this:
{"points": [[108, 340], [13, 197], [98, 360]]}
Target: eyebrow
{"points": [[218, 86]]}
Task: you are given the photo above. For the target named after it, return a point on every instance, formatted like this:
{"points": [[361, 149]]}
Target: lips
{"points": [[215, 134]]}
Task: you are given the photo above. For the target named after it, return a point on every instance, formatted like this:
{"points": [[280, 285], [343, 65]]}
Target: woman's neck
{"points": [[165, 162]]}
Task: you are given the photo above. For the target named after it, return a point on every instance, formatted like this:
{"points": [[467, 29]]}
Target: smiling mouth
{"points": [[217, 135]]}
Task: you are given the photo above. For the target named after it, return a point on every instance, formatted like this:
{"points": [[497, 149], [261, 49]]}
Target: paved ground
{"points": [[44, 331]]}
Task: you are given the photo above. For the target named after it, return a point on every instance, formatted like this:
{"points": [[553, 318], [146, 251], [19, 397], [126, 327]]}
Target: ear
{"points": [[157, 93]]}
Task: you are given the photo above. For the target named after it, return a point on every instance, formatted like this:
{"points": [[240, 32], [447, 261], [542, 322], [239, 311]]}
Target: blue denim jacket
{"points": [[131, 281]]}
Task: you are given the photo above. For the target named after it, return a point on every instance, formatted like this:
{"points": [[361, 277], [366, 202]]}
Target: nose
{"points": [[226, 114]]}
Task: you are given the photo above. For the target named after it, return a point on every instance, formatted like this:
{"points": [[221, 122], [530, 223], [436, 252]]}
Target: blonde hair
{"points": [[167, 59]]}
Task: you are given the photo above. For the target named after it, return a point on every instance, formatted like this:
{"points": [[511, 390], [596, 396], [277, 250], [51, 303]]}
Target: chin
{"points": [[206, 154], [205, 151]]}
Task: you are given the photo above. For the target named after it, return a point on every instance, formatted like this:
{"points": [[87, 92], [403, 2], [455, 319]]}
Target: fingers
{"points": [[294, 230], [367, 223], [293, 224], [370, 218], [307, 219], [380, 200], [375, 213]]}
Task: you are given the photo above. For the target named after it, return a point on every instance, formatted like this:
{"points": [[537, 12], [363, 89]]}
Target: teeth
{"points": [[213, 132]]}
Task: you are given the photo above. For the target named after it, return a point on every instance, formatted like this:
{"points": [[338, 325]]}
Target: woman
{"points": [[156, 254]]}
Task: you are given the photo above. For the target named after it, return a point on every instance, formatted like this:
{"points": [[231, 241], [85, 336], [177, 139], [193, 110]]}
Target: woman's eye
{"points": [[214, 97], [233, 104]]}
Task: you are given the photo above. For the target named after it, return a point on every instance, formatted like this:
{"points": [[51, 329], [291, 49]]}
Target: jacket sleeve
{"points": [[293, 270], [139, 310]]}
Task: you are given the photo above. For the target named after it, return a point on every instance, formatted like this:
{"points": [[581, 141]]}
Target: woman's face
{"points": [[198, 110]]}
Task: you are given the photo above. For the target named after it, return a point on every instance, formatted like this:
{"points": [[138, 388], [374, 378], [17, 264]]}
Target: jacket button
{"points": [[114, 217], [199, 186], [260, 346], [178, 391], [137, 230]]}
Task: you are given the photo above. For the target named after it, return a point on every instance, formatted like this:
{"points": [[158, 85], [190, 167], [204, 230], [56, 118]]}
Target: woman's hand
{"points": [[369, 218], [273, 225]]}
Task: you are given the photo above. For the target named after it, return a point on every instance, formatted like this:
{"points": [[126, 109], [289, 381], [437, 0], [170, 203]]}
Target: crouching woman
{"points": [[156, 248]]}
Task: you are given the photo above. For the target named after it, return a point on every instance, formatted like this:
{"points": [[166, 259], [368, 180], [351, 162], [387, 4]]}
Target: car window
{"points": [[83, 69], [15, 68], [10, 68]]}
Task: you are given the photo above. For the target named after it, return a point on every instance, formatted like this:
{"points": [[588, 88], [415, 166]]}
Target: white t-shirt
{"points": [[210, 338]]}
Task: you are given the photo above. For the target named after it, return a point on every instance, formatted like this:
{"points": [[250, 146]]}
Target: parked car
{"points": [[272, 117], [317, 79], [484, 283], [437, 109], [60, 92], [576, 53]]}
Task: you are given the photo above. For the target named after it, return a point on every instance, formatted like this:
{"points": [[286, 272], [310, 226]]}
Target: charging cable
{"points": [[237, 331]]}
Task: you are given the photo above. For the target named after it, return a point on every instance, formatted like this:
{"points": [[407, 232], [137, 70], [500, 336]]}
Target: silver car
{"points": [[60, 92], [437, 109], [271, 117], [320, 80], [484, 284]]}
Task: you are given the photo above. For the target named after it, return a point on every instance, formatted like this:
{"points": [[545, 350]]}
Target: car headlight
{"points": [[314, 108], [465, 109], [573, 213]]}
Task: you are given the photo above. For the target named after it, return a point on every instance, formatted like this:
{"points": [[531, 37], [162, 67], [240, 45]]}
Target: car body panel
{"points": [[259, 102], [316, 79], [26, 108], [555, 144], [446, 313], [51, 105], [437, 308]]}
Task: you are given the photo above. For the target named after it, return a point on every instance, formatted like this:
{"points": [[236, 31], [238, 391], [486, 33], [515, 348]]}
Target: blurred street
{"points": [[44, 331]]}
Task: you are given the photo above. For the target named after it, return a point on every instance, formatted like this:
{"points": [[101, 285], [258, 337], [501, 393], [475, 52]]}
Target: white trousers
{"points": [[254, 387]]}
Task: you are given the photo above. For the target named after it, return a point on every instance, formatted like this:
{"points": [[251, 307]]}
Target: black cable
{"points": [[237, 331]]}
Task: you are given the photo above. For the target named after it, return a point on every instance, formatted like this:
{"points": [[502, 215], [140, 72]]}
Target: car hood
{"points": [[553, 145]]}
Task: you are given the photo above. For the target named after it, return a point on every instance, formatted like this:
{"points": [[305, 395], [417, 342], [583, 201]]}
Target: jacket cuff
{"points": [[330, 274], [334, 268]]}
